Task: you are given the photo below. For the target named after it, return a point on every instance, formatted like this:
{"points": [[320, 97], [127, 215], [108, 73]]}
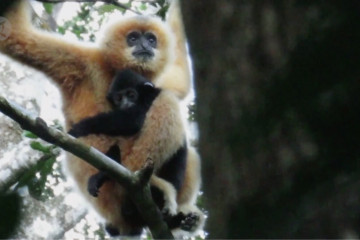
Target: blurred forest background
{"points": [[278, 108]]}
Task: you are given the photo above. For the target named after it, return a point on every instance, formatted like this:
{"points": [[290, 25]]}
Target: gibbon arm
{"points": [[177, 76], [49, 53], [117, 123]]}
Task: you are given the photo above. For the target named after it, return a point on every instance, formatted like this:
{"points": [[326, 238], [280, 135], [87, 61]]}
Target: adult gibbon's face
{"points": [[144, 44]]}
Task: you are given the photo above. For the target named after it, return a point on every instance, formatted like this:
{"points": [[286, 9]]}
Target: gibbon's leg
{"points": [[190, 189], [170, 178], [188, 194], [65, 62], [186, 222], [97, 180], [167, 199]]}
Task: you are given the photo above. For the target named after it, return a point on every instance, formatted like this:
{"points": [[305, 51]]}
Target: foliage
{"points": [[92, 15], [35, 178], [80, 24]]}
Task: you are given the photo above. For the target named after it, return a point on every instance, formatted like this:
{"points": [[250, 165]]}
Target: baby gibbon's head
{"points": [[140, 43]]}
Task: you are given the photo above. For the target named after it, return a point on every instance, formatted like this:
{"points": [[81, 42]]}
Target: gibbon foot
{"points": [[95, 182], [190, 222], [187, 222], [114, 232], [111, 230]]}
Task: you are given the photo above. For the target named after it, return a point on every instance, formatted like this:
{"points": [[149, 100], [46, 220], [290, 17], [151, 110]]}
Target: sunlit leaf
{"points": [[41, 147], [29, 134], [37, 185], [143, 7], [31, 173], [162, 11], [106, 8], [48, 7]]}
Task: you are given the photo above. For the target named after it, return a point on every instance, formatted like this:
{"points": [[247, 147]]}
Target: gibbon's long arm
{"points": [[177, 76], [63, 61]]}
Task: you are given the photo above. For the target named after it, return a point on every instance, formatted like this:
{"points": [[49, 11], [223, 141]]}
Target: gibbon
{"points": [[83, 74], [131, 97]]}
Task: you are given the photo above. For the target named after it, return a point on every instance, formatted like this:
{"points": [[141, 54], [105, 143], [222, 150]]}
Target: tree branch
{"points": [[113, 2], [136, 183]]}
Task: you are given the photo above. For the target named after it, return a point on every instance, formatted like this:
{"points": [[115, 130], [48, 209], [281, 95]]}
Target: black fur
{"points": [[97, 180], [111, 230], [120, 122], [173, 170]]}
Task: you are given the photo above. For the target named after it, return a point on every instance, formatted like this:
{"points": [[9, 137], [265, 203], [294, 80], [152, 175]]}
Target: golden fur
{"points": [[83, 74]]}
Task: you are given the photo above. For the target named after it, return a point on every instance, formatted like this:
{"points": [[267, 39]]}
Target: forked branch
{"points": [[137, 183]]}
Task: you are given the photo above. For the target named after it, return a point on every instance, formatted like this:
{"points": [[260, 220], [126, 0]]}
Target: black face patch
{"points": [[151, 38], [133, 38], [143, 43]]}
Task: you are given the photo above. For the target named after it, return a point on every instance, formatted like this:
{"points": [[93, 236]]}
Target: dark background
{"points": [[278, 107]]}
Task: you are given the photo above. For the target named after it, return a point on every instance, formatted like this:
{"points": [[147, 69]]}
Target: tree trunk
{"points": [[278, 110]]}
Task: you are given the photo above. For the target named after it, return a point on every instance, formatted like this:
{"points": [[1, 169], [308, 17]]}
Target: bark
{"points": [[277, 107]]}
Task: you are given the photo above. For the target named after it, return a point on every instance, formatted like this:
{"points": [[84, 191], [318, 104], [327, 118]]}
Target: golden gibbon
{"points": [[83, 73]]}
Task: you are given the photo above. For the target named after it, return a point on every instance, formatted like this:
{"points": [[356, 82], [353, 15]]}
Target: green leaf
{"points": [[48, 7], [29, 134], [106, 8], [40, 147], [162, 12], [37, 184], [61, 30], [161, 2], [143, 7]]}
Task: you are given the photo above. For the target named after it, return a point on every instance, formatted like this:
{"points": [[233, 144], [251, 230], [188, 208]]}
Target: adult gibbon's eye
{"points": [[132, 38], [151, 38]]}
